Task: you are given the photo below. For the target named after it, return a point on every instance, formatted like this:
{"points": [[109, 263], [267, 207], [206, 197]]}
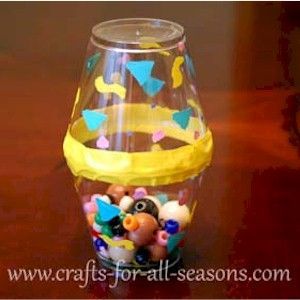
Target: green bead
{"points": [[122, 216], [106, 231], [98, 220]]}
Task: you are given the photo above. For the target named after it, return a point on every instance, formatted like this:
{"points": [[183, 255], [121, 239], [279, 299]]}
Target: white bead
{"points": [[120, 253], [179, 213], [155, 200], [97, 227], [126, 202], [106, 199]]}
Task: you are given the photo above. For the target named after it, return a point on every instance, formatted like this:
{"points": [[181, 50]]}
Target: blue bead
{"points": [[142, 256], [171, 226], [98, 243]]}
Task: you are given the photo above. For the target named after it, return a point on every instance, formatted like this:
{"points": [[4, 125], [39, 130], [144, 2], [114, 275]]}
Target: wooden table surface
{"points": [[248, 212]]}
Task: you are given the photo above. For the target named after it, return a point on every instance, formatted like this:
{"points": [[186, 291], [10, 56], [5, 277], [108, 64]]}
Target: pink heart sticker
{"points": [[157, 136], [102, 142]]}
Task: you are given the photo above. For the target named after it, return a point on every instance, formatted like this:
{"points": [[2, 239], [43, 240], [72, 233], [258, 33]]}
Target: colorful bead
{"points": [[171, 226], [144, 233], [162, 237], [144, 205], [97, 227], [181, 46], [130, 223], [106, 230], [90, 218], [118, 192], [139, 193], [163, 198], [172, 210], [157, 252], [142, 256], [155, 200], [99, 243], [103, 252], [121, 254], [95, 196], [116, 226], [126, 202], [90, 207], [107, 198]]}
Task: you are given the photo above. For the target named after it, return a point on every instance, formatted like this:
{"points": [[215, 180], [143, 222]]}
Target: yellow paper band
{"points": [[138, 168]]}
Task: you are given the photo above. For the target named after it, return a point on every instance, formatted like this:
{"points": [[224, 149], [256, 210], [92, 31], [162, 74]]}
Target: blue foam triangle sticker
{"points": [[92, 61], [182, 117], [174, 240], [190, 65], [152, 86], [107, 211], [93, 119], [140, 70]]}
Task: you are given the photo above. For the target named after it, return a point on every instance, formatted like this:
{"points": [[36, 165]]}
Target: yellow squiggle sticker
{"points": [[127, 244], [76, 101], [148, 43], [176, 72], [103, 87]]}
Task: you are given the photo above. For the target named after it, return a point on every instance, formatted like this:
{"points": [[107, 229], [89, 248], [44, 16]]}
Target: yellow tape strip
{"points": [[138, 168]]}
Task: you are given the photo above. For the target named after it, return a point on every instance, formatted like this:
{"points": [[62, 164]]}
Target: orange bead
{"points": [[130, 223], [157, 252], [90, 218], [144, 233], [119, 191]]}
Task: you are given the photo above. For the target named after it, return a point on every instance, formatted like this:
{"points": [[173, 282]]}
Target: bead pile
{"points": [[129, 226]]}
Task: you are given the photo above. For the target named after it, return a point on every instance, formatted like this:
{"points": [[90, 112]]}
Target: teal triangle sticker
{"points": [[152, 86], [107, 211], [92, 61], [174, 240], [140, 70], [182, 117], [93, 119]]}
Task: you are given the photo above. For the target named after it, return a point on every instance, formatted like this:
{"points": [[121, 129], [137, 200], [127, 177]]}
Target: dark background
{"points": [[248, 61]]}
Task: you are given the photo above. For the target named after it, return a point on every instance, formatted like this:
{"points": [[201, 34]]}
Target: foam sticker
{"points": [[127, 244], [115, 88], [93, 119], [174, 240], [190, 65], [148, 44], [152, 86], [102, 142], [140, 70], [176, 72], [107, 211], [157, 136], [182, 117], [92, 61]]}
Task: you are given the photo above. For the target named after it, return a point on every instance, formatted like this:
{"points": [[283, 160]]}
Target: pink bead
{"points": [[95, 196], [90, 207], [162, 237], [181, 46], [139, 193]]}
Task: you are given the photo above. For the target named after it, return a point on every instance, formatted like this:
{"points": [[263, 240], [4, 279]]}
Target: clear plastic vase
{"points": [[137, 143]]}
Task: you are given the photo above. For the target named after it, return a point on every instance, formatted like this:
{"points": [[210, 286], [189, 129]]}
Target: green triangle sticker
{"points": [[174, 240]]}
